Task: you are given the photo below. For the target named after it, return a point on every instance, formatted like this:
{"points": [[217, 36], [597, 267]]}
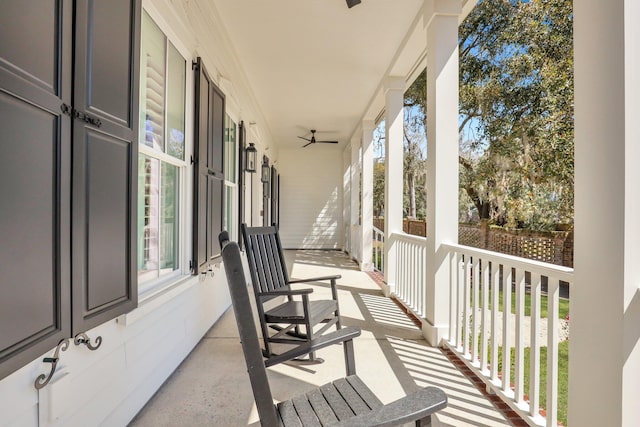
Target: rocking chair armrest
{"points": [[316, 279], [285, 293], [334, 291], [413, 407], [347, 333]]}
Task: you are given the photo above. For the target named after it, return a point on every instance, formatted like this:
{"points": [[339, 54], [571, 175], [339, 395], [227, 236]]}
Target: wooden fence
{"points": [[554, 247]]}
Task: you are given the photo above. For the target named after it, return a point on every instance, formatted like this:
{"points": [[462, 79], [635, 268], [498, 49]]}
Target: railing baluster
{"points": [[495, 294], [475, 312], [519, 365], [461, 301], [553, 326], [534, 355], [467, 307], [507, 280], [453, 299], [484, 349]]}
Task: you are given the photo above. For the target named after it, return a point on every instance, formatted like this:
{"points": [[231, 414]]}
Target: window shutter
{"points": [[35, 82], [208, 171], [241, 183], [105, 160]]}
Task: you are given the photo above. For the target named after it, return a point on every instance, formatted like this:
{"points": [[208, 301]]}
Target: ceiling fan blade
{"points": [[306, 139], [308, 143], [329, 142]]}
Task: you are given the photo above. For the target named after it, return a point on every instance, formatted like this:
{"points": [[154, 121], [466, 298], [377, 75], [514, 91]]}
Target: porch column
{"points": [[393, 170], [355, 198], [366, 166], [346, 197], [441, 20], [604, 349]]}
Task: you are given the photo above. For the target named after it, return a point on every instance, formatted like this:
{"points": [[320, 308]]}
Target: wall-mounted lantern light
{"points": [[265, 172], [251, 155]]}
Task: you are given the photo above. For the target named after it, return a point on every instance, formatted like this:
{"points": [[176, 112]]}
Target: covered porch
{"points": [[275, 71], [211, 387]]}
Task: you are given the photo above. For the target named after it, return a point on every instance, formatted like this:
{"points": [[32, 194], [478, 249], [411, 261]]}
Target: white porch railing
{"points": [[480, 281], [378, 250], [477, 276], [411, 271]]}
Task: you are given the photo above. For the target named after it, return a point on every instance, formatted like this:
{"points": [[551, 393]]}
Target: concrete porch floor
{"points": [[211, 387]]}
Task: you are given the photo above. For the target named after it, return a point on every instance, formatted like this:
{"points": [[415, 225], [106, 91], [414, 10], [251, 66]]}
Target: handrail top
{"points": [[408, 237], [544, 268]]}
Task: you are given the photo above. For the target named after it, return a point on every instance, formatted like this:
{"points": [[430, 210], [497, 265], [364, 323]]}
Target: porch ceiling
{"points": [[315, 64]]}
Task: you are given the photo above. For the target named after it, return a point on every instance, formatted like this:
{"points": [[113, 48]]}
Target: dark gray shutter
{"points": [[275, 196], [105, 153], [35, 164], [241, 182], [208, 175]]}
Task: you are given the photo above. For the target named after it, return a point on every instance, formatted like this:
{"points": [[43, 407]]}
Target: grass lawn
{"points": [[563, 376], [563, 305]]}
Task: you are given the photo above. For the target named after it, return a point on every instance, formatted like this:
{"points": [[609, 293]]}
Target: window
{"points": [[161, 165], [230, 177]]}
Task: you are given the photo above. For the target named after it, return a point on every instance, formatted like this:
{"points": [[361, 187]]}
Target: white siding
{"points": [[311, 198], [141, 349]]}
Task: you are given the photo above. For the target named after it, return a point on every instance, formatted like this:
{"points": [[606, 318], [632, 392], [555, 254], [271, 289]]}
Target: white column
{"points": [[604, 361], [393, 184], [366, 251], [441, 20], [355, 198], [346, 198]]}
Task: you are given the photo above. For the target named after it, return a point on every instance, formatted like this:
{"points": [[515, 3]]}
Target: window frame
{"points": [[233, 185], [151, 287]]}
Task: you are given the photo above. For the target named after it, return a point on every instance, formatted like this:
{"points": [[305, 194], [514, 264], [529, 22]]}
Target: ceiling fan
{"points": [[313, 139]]}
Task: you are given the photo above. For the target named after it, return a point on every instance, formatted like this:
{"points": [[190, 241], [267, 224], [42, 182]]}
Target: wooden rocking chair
{"points": [[344, 402], [270, 280]]}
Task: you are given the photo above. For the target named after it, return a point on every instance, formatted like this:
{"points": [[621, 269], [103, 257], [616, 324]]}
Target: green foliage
{"points": [[516, 118], [378, 188], [516, 109]]}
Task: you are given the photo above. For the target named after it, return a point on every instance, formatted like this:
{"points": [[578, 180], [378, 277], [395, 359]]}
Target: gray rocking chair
{"points": [[270, 280], [344, 402]]}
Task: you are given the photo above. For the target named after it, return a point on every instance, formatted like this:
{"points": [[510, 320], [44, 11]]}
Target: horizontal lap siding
{"points": [[311, 198]]}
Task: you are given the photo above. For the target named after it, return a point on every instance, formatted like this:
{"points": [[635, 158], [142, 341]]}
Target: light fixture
{"points": [[351, 3], [265, 172], [251, 155]]}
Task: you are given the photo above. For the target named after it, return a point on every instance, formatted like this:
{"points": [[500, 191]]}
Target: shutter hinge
{"points": [[43, 379], [193, 162], [66, 109], [83, 339], [73, 113], [194, 66]]}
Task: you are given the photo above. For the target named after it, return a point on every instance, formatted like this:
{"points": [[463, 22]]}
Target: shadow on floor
{"points": [[211, 387]]}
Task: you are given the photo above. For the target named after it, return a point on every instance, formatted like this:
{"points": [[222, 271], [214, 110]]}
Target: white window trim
{"points": [[151, 288], [232, 184]]}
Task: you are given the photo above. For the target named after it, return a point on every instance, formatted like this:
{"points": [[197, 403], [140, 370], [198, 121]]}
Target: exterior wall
{"points": [[311, 199], [141, 349], [138, 353]]}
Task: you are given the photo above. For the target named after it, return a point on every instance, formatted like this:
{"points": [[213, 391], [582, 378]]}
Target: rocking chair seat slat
{"points": [[305, 411], [293, 311], [288, 414], [357, 404], [336, 401], [321, 407]]}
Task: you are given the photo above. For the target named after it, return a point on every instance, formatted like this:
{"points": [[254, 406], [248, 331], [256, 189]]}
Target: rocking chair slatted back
{"points": [[264, 251]]}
